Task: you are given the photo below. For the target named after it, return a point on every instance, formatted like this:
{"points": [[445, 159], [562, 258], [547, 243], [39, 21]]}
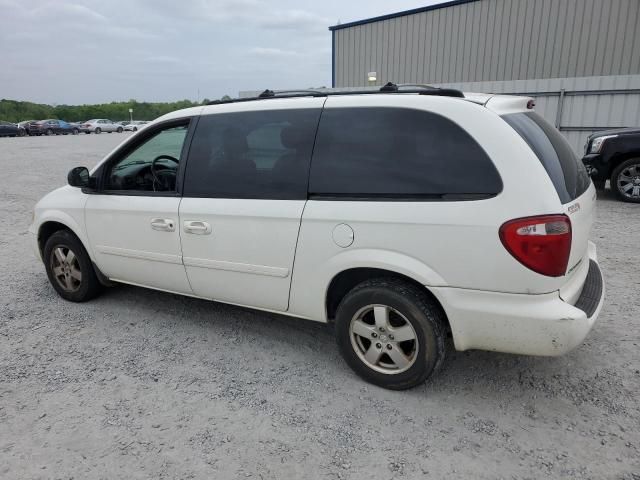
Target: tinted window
{"points": [[564, 168], [397, 152], [262, 154], [150, 166]]}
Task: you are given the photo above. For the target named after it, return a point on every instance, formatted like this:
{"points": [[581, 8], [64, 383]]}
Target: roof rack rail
{"points": [[389, 87], [421, 89]]}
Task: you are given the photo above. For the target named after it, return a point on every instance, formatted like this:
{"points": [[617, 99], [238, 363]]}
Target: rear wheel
{"points": [[69, 267], [390, 333], [135, 129], [49, 131], [625, 180]]}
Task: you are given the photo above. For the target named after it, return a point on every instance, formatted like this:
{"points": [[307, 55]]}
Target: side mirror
{"points": [[78, 177]]}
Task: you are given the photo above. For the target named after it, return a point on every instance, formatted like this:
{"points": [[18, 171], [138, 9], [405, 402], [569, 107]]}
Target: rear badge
{"points": [[574, 208]]}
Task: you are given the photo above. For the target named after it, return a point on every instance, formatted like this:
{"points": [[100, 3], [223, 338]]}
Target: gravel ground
{"points": [[142, 384]]}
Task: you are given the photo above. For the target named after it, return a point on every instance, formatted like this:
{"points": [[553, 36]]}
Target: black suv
{"points": [[615, 155]]}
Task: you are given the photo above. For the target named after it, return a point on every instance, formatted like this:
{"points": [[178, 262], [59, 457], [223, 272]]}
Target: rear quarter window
{"points": [[566, 171], [398, 152]]}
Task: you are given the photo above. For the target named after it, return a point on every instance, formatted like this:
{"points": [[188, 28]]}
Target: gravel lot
{"points": [[142, 384]]}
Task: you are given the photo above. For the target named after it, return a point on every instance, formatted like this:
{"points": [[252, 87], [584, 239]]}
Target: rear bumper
{"points": [[524, 324]]}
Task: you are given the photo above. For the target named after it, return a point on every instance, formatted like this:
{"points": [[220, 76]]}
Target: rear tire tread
{"points": [[432, 314]]}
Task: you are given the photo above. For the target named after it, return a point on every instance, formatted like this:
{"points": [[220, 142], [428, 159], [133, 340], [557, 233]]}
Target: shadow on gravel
{"points": [[485, 374]]}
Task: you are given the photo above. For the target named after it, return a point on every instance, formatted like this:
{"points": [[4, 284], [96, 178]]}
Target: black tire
{"points": [[119, 129], [135, 129], [631, 168], [75, 131], [21, 133], [98, 130], [88, 286], [418, 310], [49, 131]]}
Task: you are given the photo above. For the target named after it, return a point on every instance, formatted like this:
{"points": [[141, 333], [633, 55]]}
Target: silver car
{"points": [[135, 125], [99, 125]]}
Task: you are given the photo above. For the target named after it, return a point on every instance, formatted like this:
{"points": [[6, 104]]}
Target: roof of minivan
{"points": [[500, 104]]}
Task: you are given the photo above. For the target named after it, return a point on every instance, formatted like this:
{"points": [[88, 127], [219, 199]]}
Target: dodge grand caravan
{"points": [[403, 216]]}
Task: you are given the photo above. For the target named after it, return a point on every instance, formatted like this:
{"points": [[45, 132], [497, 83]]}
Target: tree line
{"points": [[17, 111]]}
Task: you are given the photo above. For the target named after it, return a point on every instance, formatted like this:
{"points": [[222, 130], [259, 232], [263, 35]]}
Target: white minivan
{"points": [[403, 217]]}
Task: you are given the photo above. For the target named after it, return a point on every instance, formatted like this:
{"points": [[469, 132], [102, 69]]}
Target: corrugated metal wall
{"points": [[576, 106], [493, 40]]}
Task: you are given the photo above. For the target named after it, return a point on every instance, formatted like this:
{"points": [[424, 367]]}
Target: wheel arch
{"points": [[346, 280], [618, 158], [48, 228]]}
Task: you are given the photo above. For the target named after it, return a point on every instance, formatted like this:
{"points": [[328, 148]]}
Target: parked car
{"points": [[135, 125], [68, 128], [615, 155], [25, 125], [8, 129], [80, 126], [411, 223], [51, 127], [101, 125]]}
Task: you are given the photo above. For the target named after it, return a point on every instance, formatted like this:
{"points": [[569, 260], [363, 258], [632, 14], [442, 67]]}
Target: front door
{"points": [[132, 222], [244, 193]]}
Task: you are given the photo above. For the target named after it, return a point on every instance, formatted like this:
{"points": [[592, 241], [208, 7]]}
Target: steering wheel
{"points": [[164, 178]]}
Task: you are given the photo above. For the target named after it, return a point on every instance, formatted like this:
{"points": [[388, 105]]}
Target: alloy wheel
{"points": [[628, 181], [66, 269], [384, 339]]}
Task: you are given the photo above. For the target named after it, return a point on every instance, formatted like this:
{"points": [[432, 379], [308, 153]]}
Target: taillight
{"points": [[541, 243]]}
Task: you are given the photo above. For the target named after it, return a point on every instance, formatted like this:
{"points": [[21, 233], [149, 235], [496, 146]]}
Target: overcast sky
{"points": [[74, 51]]}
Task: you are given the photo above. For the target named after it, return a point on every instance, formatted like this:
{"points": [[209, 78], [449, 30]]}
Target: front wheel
{"points": [[69, 267], [98, 130], [391, 333], [625, 180], [119, 129], [75, 131], [49, 131]]}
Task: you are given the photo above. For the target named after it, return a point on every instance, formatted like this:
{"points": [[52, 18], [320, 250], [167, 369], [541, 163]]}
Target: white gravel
{"points": [[142, 384]]}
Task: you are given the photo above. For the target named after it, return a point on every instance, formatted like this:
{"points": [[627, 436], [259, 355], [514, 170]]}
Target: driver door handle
{"points": [[163, 224], [197, 227]]}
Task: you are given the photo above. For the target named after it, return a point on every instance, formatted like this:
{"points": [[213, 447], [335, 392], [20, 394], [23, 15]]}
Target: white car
{"points": [[99, 125], [403, 217], [135, 125]]}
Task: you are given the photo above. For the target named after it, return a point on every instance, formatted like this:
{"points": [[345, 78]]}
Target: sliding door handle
{"points": [[197, 227], [163, 224]]}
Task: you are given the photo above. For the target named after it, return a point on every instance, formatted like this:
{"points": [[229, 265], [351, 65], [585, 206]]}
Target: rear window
{"points": [[566, 171], [398, 152]]}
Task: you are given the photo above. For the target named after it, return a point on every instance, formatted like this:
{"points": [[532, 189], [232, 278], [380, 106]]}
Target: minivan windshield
{"points": [[563, 166]]}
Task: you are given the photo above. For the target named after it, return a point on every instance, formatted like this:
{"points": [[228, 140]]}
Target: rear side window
{"points": [[261, 154], [398, 152], [566, 171]]}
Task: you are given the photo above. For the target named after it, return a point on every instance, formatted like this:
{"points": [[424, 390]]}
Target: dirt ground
{"points": [[142, 384]]}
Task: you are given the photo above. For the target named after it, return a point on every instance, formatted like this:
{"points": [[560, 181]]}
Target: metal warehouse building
{"points": [[580, 59]]}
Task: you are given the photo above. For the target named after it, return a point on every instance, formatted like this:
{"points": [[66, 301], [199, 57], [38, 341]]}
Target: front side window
{"points": [[398, 153], [151, 166], [260, 154]]}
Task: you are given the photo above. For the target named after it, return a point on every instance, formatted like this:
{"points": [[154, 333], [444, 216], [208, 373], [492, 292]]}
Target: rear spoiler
{"points": [[504, 104]]}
